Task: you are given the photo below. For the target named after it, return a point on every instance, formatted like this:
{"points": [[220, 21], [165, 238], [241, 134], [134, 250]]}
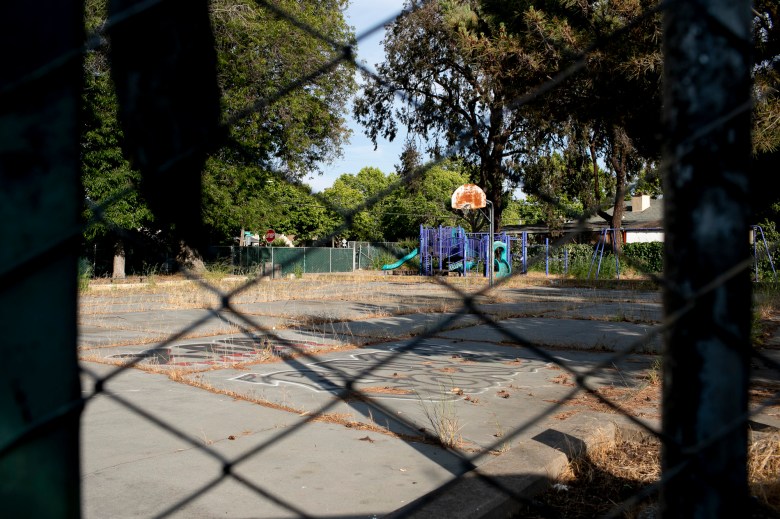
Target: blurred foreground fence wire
{"points": [[706, 287]]}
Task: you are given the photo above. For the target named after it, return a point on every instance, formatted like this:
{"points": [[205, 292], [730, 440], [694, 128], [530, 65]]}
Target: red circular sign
{"points": [[270, 235]]}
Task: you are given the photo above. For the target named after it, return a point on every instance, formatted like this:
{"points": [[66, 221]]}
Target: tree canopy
{"points": [[456, 83], [284, 89], [379, 207], [469, 76], [283, 98]]}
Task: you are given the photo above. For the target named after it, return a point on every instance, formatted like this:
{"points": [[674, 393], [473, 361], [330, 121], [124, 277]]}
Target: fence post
{"points": [[706, 151], [40, 395], [547, 257]]}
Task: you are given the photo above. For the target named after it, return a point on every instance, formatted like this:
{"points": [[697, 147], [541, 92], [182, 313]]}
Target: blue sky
{"points": [[364, 15]]}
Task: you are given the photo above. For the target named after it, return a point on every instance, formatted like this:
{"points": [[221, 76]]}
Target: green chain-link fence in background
{"points": [[281, 261]]}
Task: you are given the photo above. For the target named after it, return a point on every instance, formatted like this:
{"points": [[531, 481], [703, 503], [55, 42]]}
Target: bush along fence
{"points": [[588, 262]]}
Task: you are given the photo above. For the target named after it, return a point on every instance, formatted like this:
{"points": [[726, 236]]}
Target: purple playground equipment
{"points": [[451, 249]]}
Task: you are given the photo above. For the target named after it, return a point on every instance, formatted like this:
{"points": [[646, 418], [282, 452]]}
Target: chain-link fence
{"points": [[370, 255], [281, 261], [354, 402]]}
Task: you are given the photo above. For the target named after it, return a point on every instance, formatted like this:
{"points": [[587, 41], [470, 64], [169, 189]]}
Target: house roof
{"points": [[650, 218]]}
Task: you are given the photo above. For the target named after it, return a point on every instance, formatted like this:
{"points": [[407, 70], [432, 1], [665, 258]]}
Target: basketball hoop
{"points": [[471, 196], [468, 196]]}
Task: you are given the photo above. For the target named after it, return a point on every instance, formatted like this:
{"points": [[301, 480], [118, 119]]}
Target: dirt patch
{"points": [[386, 390]]}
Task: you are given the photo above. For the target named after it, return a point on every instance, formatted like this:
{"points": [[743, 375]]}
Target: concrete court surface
{"points": [[326, 408]]}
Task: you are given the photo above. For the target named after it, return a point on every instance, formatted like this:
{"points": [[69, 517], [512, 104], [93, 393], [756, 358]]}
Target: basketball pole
{"points": [[490, 245]]}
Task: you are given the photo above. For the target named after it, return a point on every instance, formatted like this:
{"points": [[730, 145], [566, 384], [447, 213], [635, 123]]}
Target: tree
{"points": [[425, 199], [766, 120], [107, 177], [278, 134], [277, 129], [457, 78], [262, 54], [607, 115], [296, 211], [359, 201]]}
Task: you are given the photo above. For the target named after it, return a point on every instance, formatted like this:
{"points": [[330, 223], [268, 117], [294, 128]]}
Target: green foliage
{"points": [[425, 200], [358, 202], [381, 259], [260, 54], [647, 258], [581, 261], [591, 135], [251, 182], [218, 270], [447, 47], [85, 274], [766, 253], [272, 137], [377, 207], [107, 178]]}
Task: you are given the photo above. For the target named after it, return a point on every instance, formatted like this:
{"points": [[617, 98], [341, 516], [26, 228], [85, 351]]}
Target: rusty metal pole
{"points": [[707, 223], [491, 237], [40, 396]]}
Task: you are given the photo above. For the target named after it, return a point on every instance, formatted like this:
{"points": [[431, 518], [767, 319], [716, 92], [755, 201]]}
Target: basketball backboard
{"points": [[469, 196]]}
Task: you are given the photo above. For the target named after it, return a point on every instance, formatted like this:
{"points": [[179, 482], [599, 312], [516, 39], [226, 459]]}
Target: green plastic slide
{"points": [[391, 266]]}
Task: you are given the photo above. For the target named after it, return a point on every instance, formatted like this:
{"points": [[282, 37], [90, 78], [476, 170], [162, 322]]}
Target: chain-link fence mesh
{"points": [[277, 261], [408, 359]]}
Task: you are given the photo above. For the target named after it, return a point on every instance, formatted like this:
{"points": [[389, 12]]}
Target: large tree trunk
{"points": [[594, 159], [619, 207], [190, 260], [119, 260]]}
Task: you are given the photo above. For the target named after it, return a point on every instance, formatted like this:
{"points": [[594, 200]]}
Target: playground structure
{"points": [[445, 250], [448, 250]]}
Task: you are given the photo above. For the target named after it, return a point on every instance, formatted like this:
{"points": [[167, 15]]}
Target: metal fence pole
{"points": [[40, 395], [707, 150]]}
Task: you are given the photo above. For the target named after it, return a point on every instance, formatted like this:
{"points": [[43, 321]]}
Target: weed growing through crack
{"points": [[443, 418], [653, 373]]}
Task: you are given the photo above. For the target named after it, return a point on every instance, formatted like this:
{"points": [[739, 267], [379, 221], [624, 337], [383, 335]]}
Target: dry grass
{"points": [[612, 474], [764, 470], [593, 484], [443, 418]]}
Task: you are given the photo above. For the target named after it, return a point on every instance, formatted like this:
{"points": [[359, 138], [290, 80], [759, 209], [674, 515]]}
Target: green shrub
{"points": [[583, 260], [218, 269], [647, 258], [765, 265], [84, 274]]}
